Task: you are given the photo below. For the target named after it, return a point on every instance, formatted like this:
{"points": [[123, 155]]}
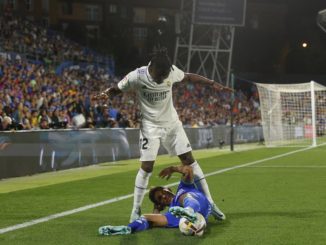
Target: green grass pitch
{"points": [[277, 201]]}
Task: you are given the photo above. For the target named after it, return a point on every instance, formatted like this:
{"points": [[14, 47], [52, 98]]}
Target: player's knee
{"points": [[147, 166], [187, 158]]}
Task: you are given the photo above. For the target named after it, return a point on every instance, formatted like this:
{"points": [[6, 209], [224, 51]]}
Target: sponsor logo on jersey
{"points": [[155, 96], [168, 83]]}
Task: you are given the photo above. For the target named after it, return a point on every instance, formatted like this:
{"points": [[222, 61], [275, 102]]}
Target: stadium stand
{"points": [[46, 81]]}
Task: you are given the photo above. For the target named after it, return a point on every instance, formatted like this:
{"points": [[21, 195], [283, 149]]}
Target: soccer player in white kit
{"points": [[160, 122]]}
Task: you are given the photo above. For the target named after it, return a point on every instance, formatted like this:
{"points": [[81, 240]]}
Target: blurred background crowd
{"points": [[38, 92]]}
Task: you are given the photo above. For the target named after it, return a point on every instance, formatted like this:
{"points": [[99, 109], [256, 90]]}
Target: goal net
{"points": [[321, 19], [293, 114]]}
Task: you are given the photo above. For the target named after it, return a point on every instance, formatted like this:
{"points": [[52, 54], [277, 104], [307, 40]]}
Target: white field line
{"points": [[116, 199]]}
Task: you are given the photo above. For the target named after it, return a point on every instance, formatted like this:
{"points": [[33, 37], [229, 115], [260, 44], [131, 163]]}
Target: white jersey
{"points": [[155, 100]]}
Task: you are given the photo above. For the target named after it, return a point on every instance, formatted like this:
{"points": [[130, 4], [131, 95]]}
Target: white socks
{"points": [[141, 184], [200, 180]]}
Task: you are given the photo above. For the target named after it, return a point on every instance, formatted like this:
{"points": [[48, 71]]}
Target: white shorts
{"points": [[174, 140]]}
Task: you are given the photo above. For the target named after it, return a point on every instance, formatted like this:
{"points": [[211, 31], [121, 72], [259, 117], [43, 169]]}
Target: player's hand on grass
{"points": [[180, 212]]}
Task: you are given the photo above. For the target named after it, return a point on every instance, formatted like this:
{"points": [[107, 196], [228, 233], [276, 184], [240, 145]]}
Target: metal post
{"points": [[231, 114], [313, 113], [191, 36], [232, 30]]}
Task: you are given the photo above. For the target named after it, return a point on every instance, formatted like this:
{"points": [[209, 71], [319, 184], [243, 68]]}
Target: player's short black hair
{"points": [[161, 61], [154, 190], [152, 193]]}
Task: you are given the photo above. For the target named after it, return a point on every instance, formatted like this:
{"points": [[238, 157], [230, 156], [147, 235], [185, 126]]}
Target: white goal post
{"points": [[293, 114]]}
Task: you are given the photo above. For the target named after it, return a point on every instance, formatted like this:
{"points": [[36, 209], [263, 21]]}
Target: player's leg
{"points": [[141, 183], [148, 151], [148, 221], [200, 180], [137, 225], [143, 223], [177, 143], [199, 177]]}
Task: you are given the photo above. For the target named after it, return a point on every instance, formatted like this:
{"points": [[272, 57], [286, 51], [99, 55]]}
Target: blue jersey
{"points": [[194, 199]]}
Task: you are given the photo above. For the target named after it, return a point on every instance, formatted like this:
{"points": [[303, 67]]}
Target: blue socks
{"points": [[140, 224]]}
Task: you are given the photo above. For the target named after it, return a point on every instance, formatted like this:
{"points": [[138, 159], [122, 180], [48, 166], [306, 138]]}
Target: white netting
{"points": [[293, 114], [321, 19]]}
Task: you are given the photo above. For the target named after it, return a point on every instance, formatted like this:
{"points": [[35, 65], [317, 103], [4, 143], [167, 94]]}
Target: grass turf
{"points": [[280, 201]]}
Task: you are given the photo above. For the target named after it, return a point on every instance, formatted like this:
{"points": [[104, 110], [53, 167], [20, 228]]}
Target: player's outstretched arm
{"points": [[108, 93], [191, 77], [186, 171]]}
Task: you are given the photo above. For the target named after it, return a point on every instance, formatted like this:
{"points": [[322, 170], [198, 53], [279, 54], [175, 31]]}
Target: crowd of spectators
{"points": [[200, 106], [39, 43], [33, 96]]}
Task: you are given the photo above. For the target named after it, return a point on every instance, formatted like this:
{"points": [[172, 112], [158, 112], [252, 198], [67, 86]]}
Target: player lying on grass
{"points": [[187, 201]]}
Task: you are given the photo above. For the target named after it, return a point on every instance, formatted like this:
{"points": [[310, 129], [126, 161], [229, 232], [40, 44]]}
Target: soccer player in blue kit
{"points": [[187, 201], [160, 123]]}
